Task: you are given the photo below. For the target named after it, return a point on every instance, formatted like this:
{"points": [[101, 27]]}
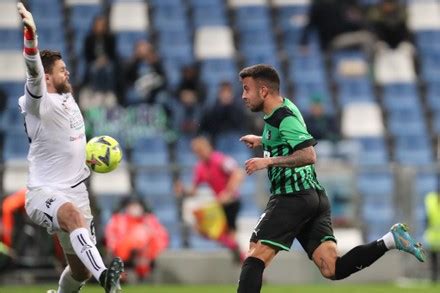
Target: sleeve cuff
{"points": [[305, 144]]}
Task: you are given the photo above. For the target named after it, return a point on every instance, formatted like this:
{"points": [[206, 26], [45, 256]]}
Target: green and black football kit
{"points": [[298, 206]]}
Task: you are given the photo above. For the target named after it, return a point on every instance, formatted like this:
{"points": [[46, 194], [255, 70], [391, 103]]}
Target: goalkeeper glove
{"points": [[30, 30]]}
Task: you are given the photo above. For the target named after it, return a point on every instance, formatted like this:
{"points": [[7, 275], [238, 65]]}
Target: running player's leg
{"points": [[74, 275], [283, 218], [79, 239], [320, 244], [73, 222]]}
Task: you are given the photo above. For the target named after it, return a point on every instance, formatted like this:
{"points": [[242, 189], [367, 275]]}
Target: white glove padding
{"points": [[27, 18]]}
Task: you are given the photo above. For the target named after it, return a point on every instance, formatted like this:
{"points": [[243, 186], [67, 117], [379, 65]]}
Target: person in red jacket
{"points": [[136, 236]]}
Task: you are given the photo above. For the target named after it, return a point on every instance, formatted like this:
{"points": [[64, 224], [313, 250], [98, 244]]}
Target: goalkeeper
{"points": [[57, 196]]}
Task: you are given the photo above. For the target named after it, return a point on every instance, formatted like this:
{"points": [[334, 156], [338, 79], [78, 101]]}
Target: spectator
{"points": [[226, 110], [144, 75], [388, 22], [394, 56], [432, 233], [338, 23], [136, 235], [320, 124], [224, 177], [191, 81], [101, 64]]}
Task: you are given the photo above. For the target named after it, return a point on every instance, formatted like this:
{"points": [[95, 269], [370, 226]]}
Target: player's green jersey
{"points": [[284, 133]]}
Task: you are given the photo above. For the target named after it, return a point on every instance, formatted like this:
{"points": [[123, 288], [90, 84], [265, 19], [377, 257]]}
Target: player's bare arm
{"points": [[299, 158], [251, 141]]}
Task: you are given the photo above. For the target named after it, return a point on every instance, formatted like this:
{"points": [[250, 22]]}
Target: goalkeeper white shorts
{"points": [[42, 206]]}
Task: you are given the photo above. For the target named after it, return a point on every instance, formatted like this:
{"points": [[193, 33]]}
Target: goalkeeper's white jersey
{"points": [[56, 131]]}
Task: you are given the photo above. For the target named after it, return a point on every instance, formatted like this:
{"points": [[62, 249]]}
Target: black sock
{"points": [[102, 278], [358, 258], [251, 276]]}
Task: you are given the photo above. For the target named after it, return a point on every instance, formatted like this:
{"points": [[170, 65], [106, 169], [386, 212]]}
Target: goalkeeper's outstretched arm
{"points": [[35, 84]]}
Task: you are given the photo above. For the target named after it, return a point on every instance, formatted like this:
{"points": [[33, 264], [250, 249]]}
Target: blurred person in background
{"points": [[145, 78], [191, 81], [388, 20], [320, 125], [57, 197], [432, 233], [101, 65], [339, 24], [190, 94], [394, 52], [298, 206], [224, 177], [135, 234], [225, 109]]}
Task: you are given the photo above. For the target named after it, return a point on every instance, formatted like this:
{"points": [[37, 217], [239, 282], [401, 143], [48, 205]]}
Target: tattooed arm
{"points": [[299, 158]]}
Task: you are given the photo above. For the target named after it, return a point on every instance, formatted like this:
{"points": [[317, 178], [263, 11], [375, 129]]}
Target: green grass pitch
{"points": [[326, 288]]}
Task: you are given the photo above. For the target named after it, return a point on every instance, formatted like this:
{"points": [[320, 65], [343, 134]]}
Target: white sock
{"points": [[67, 284], [388, 239], [87, 251]]}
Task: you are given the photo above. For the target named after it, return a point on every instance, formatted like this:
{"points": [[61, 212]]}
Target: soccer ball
{"points": [[103, 154]]}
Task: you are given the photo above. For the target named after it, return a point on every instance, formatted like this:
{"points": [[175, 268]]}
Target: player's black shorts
{"points": [[304, 216], [231, 211]]}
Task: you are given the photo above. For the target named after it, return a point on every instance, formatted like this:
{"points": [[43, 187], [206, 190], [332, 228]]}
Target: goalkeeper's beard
{"points": [[63, 87]]}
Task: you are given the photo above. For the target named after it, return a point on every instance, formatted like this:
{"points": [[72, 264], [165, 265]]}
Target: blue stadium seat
{"points": [[430, 64], [436, 123], [185, 51], [308, 69], [377, 183], [427, 40], [173, 37], [126, 41], [12, 120], [355, 91], [82, 16], [378, 220], [425, 181], [373, 151], [292, 17], [209, 15], [166, 3], [150, 151], [184, 154], [413, 150], [16, 145], [252, 17], [433, 97], [214, 71], [13, 90], [306, 92], [153, 182], [12, 39], [406, 122]]}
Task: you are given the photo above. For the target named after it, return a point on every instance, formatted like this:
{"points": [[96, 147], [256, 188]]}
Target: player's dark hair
{"points": [[48, 58], [264, 73]]}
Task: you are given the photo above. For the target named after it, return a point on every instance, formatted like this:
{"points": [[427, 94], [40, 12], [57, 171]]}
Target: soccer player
{"points": [[298, 206], [57, 197]]}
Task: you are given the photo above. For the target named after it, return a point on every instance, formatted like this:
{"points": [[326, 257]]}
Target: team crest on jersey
{"points": [[268, 134], [49, 202]]}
